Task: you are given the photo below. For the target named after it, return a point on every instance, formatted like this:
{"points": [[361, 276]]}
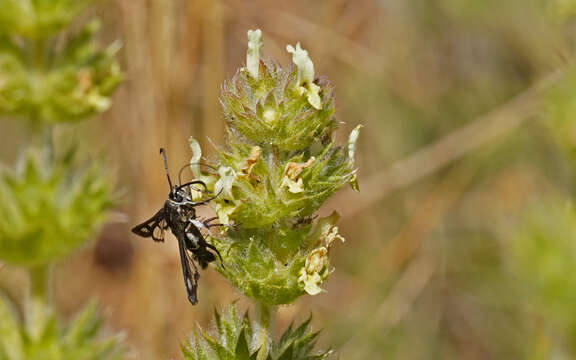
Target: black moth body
{"points": [[179, 215]]}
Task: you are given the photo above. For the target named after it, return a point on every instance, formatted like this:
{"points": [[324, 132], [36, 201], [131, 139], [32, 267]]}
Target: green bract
{"points": [[43, 338], [271, 110], [37, 19], [57, 85], [277, 264], [236, 338], [48, 209], [278, 167]]}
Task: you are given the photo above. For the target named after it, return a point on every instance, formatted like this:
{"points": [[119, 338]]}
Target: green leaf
{"points": [[49, 340], [294, 344], [242, 347]]}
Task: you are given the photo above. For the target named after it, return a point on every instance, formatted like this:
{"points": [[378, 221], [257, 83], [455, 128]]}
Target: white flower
{"points": [[291, 177], [331, 236], [198, 192], [224, 184], [311, 282], [253, 54], [352, 139], [303, 62], [196, 156], [305, 75], [224, 211], [313, 272]]}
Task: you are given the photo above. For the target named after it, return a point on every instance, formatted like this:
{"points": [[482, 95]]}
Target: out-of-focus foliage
{"points": [[564, 9], [42, 337], [38, 19], [52, 203], [278, 167], [237, 338], [542, 259], [415, 73], [50, 207], [561, 105], [47, 83]]}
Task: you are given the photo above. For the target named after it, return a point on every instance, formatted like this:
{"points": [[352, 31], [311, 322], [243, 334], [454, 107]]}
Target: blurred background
{"points": [[461, 243]]}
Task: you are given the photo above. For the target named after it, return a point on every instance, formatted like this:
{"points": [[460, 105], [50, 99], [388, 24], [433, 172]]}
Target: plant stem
{"points": [[38, 299], [39, 278], [267, 315], [49, 143]]}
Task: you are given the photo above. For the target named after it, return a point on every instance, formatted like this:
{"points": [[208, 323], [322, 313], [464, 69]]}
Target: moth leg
{"points": [[198, 224], [207, 222], [210, 246], [196, 272], [201, 241]]}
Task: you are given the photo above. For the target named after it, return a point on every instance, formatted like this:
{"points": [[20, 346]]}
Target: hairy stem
{"points": [[38, 298], [49, 143], [267, 315]]}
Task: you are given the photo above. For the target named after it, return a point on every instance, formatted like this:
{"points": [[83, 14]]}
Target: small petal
{"points": [[99, 102], [253, 54], [311, 284], [331, 236], [303, 62], [269, 115], [196, 156], [294, 186], [352, 139], [291, 171], [313, 95], [224, 211], [305, 75], [224, 184], [252, 160], [323, 228], [316, 260]]}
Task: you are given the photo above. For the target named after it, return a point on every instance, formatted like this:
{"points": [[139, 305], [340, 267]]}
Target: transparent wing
{"points": [[153, 227]]}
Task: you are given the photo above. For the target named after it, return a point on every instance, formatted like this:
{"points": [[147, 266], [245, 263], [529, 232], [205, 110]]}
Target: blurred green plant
{"points": [[51, 204], [42, 337], [39, 19], [46, 83], [562, 9], [560, 107], [50, 207], [237, 338], [542, 257]]}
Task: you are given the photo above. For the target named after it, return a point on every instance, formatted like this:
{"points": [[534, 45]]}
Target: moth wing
{"points": [[153, 227], [190, 277]]}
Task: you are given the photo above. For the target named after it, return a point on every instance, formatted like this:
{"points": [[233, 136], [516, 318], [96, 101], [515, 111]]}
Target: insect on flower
{"points": [[179, 215]]}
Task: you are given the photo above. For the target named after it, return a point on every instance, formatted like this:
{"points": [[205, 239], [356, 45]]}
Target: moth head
{"points": [[177, 194]]}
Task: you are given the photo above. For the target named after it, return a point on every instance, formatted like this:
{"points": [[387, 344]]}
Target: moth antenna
{"points": [[163, 153], [188, 165]]}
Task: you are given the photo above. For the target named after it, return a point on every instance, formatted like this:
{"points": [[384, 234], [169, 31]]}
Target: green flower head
{"points": [[277, 168], [61, 85], [49, 210]]}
